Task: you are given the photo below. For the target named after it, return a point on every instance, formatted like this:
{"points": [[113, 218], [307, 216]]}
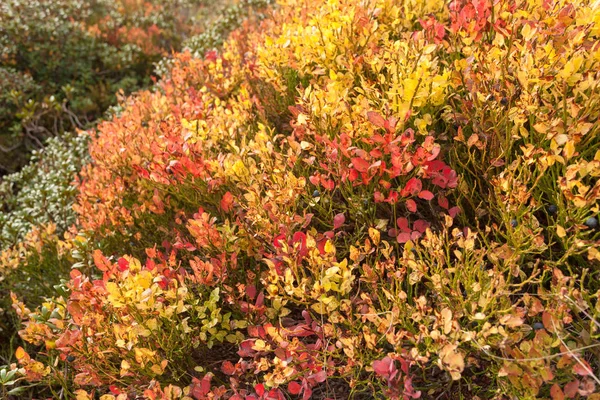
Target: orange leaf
{"points": [[360, 164], [556, 392], [227, 202], [100, 261], [426, 195], [376, 119], [582, 368], [21, 354]]}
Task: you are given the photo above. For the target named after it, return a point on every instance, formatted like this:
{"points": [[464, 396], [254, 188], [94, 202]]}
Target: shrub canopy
{"points": [[381, 199]]}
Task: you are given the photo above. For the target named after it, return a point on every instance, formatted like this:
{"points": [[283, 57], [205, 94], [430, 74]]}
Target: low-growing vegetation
{"points": [[63, 61], [383, 199]]}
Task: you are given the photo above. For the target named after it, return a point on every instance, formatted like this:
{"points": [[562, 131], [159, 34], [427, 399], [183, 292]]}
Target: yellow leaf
{"points": [[447, 320], [410, 87], [560, 231], [125, 367], [512, 321], [82, 395], [329, 247], [524, 132], [332, 75], [540, 127], [593, 254], [374, 235], [20, 353], [156, 369], [259, 345], [569, 149], [320, 308], [527, 32], [354, 253], [302, 119], [305, 145], [452, 361], [152, 324]]}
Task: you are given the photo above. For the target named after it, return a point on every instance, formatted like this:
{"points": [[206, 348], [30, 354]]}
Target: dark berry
{"points": [[552, 209], [513, 223], [316, 193], [70, 358], [591, 222], [538, 325], [504, 101]]}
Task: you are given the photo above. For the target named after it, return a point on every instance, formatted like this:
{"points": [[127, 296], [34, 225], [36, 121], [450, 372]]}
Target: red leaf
{"points": [[300, 237], [328, 184], [277, 240], [338, 221], [375, 153], [443, 202], [307, 393], [407, 137], [114, 389], [383, 367], [253, 331], [251, 291], [260, 389], [123, 264], [294, 387], [453, 212], [228, 368], [582, 370], [200, 388], [376, 119], [420, 225], [307, 220], [275, 394], [390, 124], [246, 349], [321, 245], [319, 377], [413, 186], [403, 224], [392, 197], [571, 388], [426, 195], [409, 390], [260, 300], [411, 205], [360, 164], [227, 202], [403, 237]]}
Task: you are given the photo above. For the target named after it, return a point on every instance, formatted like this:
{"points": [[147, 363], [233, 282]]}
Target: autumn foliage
{"points": [[384, 199]]}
